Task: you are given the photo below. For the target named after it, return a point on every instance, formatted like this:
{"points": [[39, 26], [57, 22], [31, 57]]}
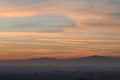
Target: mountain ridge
{"points": [[80, 58], [83, 61]]}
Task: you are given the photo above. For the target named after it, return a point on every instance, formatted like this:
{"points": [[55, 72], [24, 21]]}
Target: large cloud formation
{"points": [[87, 14]]}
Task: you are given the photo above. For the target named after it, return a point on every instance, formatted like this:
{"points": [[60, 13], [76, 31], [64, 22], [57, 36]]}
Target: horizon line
{"points": [[59, 58]]}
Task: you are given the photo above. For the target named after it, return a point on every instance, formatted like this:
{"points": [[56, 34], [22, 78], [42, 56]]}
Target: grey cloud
{"points": [[31, 28]]}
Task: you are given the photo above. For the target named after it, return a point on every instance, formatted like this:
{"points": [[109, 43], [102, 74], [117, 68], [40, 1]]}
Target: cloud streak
{"points": [[58, 45]]}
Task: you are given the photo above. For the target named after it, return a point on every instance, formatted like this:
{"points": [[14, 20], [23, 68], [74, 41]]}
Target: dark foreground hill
{"points": [[61, 75]]}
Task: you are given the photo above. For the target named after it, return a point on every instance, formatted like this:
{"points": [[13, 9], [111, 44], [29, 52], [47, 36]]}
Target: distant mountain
{"points": [[84, 61], [89, 57], [96, 57], [44, 58]]}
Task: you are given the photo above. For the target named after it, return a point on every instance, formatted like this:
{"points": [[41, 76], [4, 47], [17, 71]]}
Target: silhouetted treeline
{"points": [[60, 75]]}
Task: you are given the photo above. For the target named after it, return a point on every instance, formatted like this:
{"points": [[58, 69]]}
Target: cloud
{"points": [[18, 12], [58, 44], [1, 45], [32, 28], [97, 15]]}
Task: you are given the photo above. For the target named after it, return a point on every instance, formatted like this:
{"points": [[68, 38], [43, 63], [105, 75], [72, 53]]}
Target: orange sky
{"points": [[59, 28]]}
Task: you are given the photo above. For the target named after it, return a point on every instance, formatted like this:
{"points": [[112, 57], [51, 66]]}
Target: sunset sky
{"points": [[59, 28]]}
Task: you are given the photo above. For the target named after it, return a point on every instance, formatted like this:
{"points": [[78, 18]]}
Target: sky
{"points": [[59, 28]]}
